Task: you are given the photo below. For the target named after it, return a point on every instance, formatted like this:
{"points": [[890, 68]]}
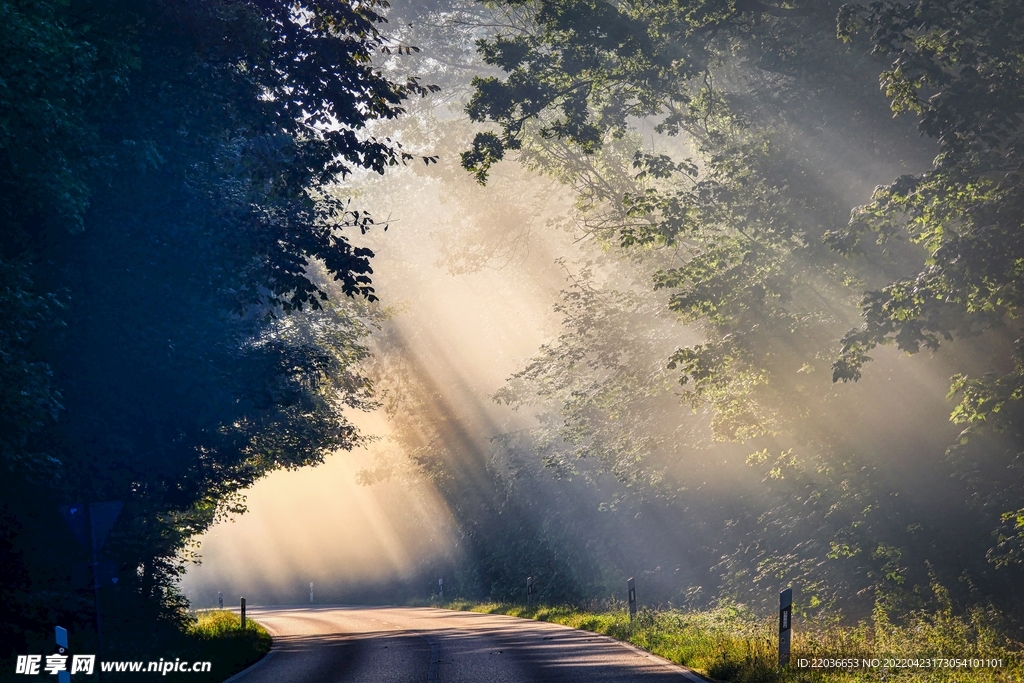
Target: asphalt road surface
{"points": [[423, 645]]}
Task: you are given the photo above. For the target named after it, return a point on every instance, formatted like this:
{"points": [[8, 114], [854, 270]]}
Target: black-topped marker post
{"points": [[631, 586], [785, 624]]}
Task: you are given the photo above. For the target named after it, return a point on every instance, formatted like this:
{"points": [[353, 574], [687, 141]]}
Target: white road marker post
{"points": [[61, 636], [311, 592], [243, 614], [220, 600], [440, 588], [529, 592], [785, 625], [631, 586]]}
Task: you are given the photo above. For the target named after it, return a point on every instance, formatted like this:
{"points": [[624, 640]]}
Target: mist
{"points": [[531, 419], [454, 330]]}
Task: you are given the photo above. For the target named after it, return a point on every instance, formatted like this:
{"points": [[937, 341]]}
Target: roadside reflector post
{"points": [[631, 585], [220, 600], [243, 614], [529, 592], [440, 588], [785, 625], [61, 636], [311, 592]]}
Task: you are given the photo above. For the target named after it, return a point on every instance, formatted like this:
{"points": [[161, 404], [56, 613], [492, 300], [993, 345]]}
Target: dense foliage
{"points": [[957, 67], [173, 322], [767, 129]]}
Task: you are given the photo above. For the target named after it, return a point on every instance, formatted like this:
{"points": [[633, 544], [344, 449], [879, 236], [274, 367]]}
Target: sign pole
{"points": [[90, 523], [95, 576], [785, 625]]}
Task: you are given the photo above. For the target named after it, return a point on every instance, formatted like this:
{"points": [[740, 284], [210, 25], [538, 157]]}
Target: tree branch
{"points": [[758, 7]]}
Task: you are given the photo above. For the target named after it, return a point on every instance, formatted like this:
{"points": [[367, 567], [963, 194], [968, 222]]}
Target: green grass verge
{"points": [[216, 636], [213, 636], [731, 643]]}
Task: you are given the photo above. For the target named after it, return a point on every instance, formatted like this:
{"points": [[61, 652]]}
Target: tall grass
{"points": [[217, 636], [731, 643]]}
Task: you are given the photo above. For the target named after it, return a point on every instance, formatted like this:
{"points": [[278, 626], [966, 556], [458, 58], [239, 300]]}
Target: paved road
{"points": [[423, 645]]}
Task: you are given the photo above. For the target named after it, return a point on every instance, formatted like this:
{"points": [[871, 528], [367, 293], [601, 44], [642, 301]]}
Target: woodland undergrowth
{"points": [[732, 643]]}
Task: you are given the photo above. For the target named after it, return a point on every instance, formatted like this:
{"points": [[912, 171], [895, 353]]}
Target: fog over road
{"points": [[406, 645]]}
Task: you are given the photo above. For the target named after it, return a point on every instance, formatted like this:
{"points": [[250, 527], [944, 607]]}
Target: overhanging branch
{"points": [[758, 7]]}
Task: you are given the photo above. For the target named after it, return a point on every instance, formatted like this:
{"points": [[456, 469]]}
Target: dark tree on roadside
{"points": [[170, 270]]}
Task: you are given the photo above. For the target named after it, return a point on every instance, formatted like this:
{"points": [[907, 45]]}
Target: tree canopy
{"points": [[174, 274], [745, 226]]}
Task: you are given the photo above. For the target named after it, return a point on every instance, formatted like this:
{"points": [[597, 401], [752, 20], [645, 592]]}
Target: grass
{"points": [[217, 636], [730, 643], [213, 636]]}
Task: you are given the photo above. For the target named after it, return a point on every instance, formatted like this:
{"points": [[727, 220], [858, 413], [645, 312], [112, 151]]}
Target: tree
{"points": [[956, 68], [163, 175], [750, 218]]}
